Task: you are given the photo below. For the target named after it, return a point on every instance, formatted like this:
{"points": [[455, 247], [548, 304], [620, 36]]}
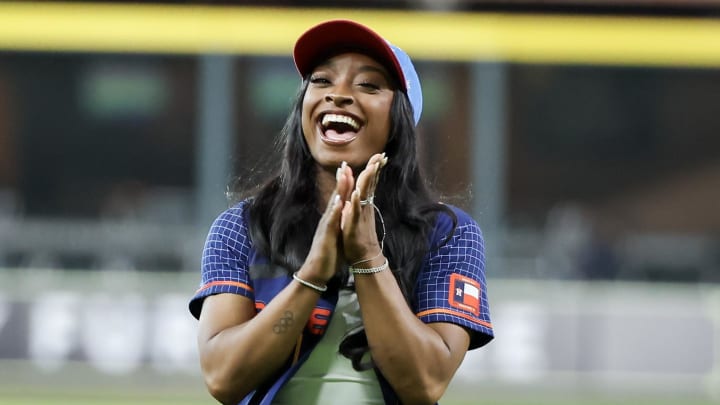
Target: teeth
{"points": [[343, 119]]}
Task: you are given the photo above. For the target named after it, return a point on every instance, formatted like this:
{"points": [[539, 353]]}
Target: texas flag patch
{"points": [[464, 293]]}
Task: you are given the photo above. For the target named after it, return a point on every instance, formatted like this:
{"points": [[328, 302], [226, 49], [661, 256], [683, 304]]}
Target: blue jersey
{"points": [[450, 287]]}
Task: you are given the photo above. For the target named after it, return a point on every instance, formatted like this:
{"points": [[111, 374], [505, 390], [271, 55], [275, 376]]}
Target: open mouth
{"points": [[339, 129]]}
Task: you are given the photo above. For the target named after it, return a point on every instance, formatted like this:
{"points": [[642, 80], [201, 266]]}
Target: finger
{"points": [[376, 158], [343, 181], [329, 225], [354, 212], [361, 186], [328, 206], [350, 213], [381, 164], [355, 200], [333, 210], [367, 181], [334, 206], [346, 214], [346, 182], [375, 178], [358, 215], [362, 182]]}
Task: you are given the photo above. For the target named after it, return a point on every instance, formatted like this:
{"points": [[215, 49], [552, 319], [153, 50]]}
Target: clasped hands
{"points": [[346, 231]]}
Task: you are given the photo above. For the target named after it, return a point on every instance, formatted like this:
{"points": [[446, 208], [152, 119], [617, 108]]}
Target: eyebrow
{"points": [[370, 68], [363, 68]]}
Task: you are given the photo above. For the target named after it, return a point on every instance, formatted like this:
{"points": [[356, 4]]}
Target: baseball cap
{"points": [[332, 37]]}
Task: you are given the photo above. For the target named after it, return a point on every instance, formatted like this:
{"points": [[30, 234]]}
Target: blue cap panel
{"points": [[412, 81]]}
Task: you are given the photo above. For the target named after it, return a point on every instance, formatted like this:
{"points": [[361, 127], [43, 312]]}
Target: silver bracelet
{"points": [[366, 260], [318, 288], [371, 270]]}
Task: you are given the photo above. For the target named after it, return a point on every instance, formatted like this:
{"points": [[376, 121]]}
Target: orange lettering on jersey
{"points": [[318, 321]]}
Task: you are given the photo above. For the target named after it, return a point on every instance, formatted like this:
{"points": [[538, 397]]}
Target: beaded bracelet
{"points": [[318, 288], [371, 270]]}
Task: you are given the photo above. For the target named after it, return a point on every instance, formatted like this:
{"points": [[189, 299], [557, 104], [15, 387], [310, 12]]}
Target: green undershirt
{"points": [[327, 377]]}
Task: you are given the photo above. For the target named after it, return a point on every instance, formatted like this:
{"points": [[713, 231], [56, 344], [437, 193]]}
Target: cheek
{"points": [[305, 117], [384, 111]]}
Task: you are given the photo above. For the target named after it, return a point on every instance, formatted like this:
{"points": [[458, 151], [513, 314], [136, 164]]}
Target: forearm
{"points": [[411, 355], [238, 359]]}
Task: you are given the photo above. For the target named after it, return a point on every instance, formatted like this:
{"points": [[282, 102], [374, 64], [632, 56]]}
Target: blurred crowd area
{"points": [[606, 172]]}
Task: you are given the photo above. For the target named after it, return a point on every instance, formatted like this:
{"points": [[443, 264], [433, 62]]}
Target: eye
{"points": [[319, 80], [369, 85]]}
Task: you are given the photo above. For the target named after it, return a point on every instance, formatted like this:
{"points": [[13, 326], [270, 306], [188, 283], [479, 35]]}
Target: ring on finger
{"points": [[369, 201]]}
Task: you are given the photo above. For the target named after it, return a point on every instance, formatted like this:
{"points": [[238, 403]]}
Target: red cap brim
{"points": [[332, 37]]}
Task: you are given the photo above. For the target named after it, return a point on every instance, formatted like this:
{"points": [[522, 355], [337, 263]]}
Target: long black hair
{"points": [[284, 213]]}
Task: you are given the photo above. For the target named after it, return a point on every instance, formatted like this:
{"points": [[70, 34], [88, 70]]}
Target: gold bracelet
{"points": [[318, 288], [371, 270]]}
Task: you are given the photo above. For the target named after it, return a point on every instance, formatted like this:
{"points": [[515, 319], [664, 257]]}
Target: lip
{"points": [[341, 112], [334, 142]]}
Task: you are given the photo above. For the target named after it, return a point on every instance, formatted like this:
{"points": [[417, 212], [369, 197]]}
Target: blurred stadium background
{"points": [[583, 136]]}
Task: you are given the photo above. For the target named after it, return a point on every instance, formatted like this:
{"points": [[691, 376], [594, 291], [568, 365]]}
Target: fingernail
{"points": [[385, 160], [343, 165], [338, 173], [336, 200]]}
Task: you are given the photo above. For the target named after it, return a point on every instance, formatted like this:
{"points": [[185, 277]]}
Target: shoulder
{"points": [[235, 212], [453, 214], [233, 217], [230, 226], [454, 222]]}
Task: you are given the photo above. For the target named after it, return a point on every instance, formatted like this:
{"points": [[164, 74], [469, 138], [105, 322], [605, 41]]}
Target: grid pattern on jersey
{"points": [[225, 269], [225, 258], [463, 254]]}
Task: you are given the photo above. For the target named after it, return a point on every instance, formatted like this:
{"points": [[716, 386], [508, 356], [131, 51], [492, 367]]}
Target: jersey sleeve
{"points": [[452, 288], [225, 264]]}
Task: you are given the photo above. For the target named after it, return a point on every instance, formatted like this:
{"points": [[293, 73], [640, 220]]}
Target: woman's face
{"points": [[346, 110]]}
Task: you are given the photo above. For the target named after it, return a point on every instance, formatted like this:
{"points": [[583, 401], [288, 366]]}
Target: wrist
{"points": [[311, 276], [369, 267], [319, 288], [368, 260]]}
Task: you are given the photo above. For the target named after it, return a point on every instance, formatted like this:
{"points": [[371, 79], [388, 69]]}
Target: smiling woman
{"points": [[346, 110], [344, 249]]}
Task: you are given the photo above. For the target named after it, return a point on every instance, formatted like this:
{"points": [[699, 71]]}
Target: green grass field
{"points": [[151, 400], [77, 384], [42, 396]]}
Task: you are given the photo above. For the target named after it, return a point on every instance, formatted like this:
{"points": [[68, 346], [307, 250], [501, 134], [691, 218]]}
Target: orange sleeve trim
{"points": [[232, 283], [451, 312]]}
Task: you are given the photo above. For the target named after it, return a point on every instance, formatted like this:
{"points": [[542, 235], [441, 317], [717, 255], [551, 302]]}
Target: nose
{"points": [[338, 99]]}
